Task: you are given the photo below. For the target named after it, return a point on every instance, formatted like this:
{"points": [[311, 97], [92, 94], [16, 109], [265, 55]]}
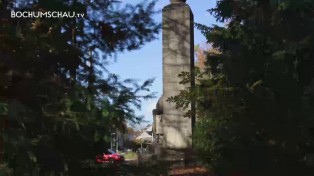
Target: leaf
{"points": [[31, 156], [3, 108]]}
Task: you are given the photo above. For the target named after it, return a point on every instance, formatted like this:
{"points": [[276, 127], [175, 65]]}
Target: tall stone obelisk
{"points": [[178, 56]]}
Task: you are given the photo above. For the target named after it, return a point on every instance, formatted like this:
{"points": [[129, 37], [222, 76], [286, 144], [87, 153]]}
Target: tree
{"points": [[56, 94], [201, 53], [254, 105]]}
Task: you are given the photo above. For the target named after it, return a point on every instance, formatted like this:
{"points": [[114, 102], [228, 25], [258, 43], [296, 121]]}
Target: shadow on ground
{"points": [[152, 168], [129, 168]]}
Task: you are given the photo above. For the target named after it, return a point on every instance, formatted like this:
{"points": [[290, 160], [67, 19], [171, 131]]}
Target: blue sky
{"points": [[146, 62]]}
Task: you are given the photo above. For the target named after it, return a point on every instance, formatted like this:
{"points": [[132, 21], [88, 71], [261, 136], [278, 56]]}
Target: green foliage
{"points": [[58, 102], [4, 169], [3, 108], [254, 101]]}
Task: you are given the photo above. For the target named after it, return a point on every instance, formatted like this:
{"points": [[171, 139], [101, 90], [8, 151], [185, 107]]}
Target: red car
{"points": [[109, 156]]}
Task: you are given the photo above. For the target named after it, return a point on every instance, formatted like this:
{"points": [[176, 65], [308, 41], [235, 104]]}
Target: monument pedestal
{"points": [[173, 130]]}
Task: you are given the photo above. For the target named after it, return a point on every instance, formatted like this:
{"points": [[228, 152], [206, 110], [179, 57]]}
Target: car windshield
{"points": [[109, 151]]}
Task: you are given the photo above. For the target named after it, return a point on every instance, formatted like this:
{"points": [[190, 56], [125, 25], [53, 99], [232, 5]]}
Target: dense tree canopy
{"points": [[57, 98], [255, 98]]}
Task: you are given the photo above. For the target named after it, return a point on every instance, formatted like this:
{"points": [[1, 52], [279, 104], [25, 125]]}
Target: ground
{"points": [[145, 165], [196, 170]]}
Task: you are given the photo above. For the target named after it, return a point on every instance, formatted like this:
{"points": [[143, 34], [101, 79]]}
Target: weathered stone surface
{"points": [[158, 124], [177, 1], [178, 56]]}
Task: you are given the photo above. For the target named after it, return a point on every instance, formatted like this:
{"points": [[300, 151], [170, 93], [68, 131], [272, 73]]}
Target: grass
{"points": [[131, 156]]}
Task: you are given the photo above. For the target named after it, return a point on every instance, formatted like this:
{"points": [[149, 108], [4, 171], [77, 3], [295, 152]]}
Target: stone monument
{"points": [[172, 129]]}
